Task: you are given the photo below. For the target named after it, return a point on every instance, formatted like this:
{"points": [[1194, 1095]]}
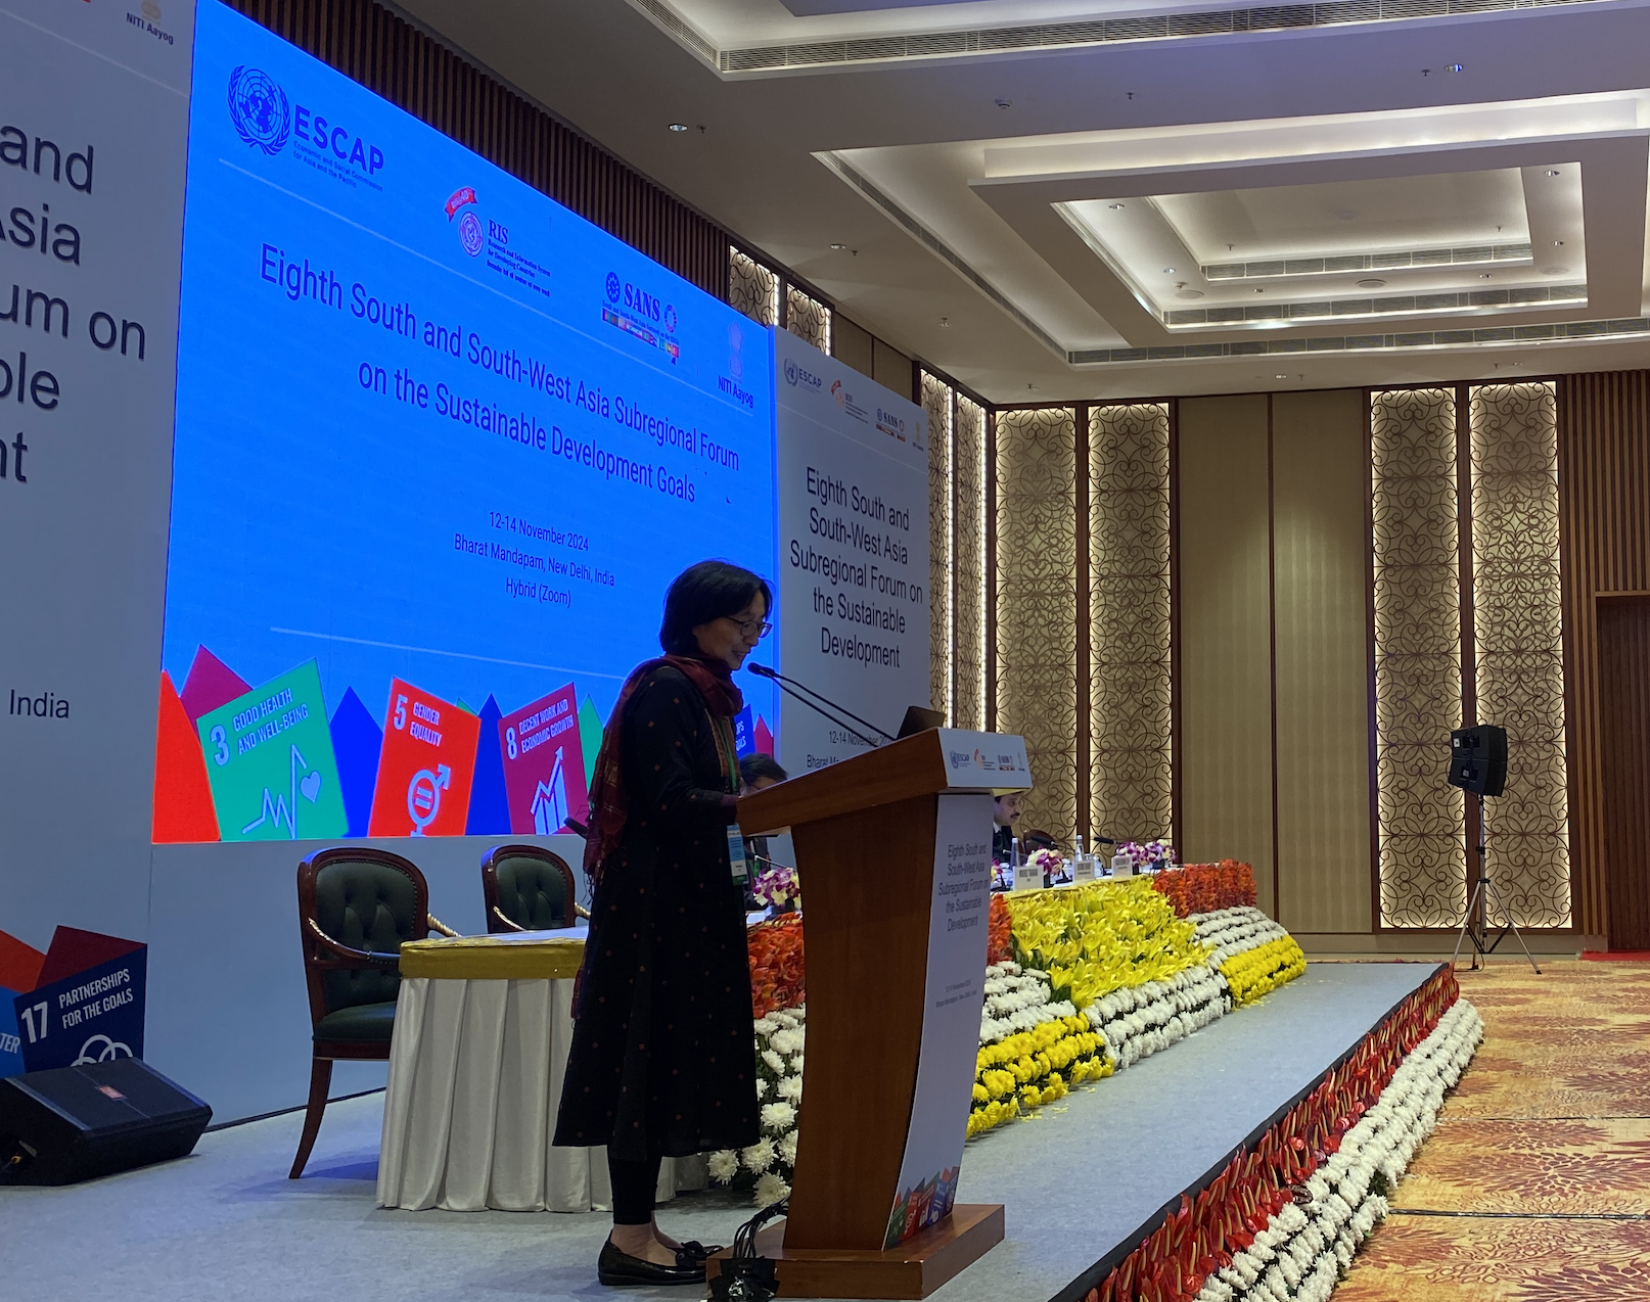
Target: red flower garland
{"points": [[1207, 887], [1208, 1229]]}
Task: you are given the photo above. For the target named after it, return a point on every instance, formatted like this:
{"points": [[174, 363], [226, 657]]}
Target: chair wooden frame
{"points": [[497, 920], [323, 954]]}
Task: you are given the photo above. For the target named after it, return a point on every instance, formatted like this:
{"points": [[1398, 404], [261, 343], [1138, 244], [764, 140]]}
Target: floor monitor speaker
{"points": [[77, 1123]]}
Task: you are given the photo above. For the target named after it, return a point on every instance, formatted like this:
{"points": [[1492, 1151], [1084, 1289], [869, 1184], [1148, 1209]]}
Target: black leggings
{"points": [[634, 1187]]}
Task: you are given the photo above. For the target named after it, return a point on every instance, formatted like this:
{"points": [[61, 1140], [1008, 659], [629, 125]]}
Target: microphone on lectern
{"points": [[786, 685]]}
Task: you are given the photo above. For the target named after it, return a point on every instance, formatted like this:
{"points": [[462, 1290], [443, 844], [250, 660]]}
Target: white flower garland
{"points": [[1017, 999], [1301, 1253], [1138, 1021], [780, 1037], [1233, 931]]}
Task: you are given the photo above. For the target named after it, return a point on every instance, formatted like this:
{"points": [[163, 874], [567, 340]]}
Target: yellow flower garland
{"points": [[1032, 1068], [1257, 972], [1094, 939]]}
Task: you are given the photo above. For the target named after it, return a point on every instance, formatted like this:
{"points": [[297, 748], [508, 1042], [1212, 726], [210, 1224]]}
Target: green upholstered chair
{"points": [[356, 906], [528, 888]]}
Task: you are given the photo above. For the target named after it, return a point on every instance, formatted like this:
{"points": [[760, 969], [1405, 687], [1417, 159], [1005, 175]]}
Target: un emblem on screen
{"points": [[258, 108]]}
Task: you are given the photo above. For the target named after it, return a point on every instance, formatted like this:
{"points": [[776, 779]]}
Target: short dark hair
{"points": [[703, 592], [759, 765]]}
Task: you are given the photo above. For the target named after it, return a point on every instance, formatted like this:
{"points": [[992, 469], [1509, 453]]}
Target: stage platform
{"points": [[1081, 1183]]}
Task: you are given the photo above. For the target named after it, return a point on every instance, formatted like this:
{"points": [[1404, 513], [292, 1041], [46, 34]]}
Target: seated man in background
{"points": [[1005, 812], [756, 772]]}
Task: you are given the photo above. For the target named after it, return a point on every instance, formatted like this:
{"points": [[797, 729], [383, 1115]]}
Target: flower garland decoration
{"points": [[777, 887], [769, 1165], [1200, 888], [777, 973], [999, 945], [1300, 1255], [1104, 936], [1253, 1206], [1033, 1048], [1257, 972], [1138, 1021]]}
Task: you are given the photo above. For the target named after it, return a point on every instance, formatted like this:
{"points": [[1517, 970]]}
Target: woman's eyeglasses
{"points": [[746, 627]]}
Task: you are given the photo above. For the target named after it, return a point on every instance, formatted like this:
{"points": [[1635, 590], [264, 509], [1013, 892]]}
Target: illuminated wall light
{"points": [[678, 126]]}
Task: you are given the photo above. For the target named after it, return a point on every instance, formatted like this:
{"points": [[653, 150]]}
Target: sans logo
{"points": [[613, 286], [258, 108], [670, 318]]}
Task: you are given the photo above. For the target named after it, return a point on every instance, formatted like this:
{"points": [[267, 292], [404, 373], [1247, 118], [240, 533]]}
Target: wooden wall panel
{"points": [[1320, 490], [392, 58], [1604, 531], [1225, 650], [1624, 735]]}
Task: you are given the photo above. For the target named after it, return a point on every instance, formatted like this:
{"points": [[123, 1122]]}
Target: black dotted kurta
{"points": [[662, 1059]]}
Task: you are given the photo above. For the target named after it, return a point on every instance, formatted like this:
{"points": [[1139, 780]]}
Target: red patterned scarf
{"points": [[608, 806]]}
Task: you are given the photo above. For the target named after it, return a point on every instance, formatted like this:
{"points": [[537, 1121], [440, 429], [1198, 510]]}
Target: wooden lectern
{"points": [[894, 851]]}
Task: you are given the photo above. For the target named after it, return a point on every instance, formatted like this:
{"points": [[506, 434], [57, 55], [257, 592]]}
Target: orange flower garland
{"points": [[999, 945], [1207, 887], [776, 965]]}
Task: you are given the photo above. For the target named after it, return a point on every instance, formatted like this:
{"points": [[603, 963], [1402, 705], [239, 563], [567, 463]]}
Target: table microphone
{"points": [[786, 685]]}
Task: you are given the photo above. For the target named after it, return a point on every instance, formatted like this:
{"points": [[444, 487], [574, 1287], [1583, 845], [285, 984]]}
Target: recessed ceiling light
{"points": [[1558, 244], [1483, 275], [1003, 103], [1117, 207], [678, 126], [839, 247], [945, 323], [1168, 271], [1456, 67], [1551, 171], [1371, 282], [1280, 377]]}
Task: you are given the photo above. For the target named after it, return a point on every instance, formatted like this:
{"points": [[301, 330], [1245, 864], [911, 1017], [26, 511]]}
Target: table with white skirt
{"points": [[482, 1030]]}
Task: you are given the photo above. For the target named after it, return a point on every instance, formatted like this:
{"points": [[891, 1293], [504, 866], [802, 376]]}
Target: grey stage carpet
{"points": [[227, 1225]]}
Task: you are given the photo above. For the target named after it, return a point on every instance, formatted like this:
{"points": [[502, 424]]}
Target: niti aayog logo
{"points": [[259, 109]]}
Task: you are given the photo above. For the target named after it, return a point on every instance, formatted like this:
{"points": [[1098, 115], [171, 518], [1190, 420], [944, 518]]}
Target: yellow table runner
{"points": [[516, 956]]}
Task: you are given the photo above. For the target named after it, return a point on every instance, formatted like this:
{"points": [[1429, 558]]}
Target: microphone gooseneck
{"points": [[763, 671]]}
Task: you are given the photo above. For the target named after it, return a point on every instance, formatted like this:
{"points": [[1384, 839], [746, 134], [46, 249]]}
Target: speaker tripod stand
{"points": [[1476, 926]]}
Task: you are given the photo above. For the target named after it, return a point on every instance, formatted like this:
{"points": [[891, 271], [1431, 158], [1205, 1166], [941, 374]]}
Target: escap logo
{"points": [[802, 377], [614, 286], [258, 107]]}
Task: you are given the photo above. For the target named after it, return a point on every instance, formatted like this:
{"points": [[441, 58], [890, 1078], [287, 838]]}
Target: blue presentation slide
{"points": [[441, 446]]}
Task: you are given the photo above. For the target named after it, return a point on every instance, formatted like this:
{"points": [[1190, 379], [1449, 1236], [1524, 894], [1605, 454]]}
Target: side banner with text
{"points": [[852, 468], [953, 992], [94, 114]]}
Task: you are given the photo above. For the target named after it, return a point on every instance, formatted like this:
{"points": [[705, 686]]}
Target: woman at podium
{"points": [[661, 1062]]}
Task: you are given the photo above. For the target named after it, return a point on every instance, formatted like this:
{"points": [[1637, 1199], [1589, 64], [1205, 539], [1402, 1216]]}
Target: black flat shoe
{"points": [[616, 1267]]}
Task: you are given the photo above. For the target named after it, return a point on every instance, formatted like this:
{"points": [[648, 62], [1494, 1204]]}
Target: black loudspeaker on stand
{"points": [[78, 1123], [1478, 764]]}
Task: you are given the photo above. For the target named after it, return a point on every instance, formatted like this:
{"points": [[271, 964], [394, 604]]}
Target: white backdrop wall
{"points": [[83, 526], [852, 469]]}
